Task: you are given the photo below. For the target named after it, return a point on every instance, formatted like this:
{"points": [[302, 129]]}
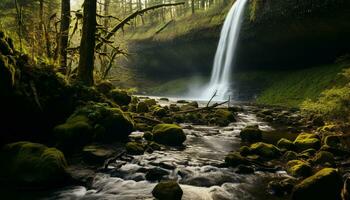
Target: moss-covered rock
{"points": [[74, 134], [96, 154], [148, 136], [168, 134], [223, 117], [27, 164], [104, 86], [160, 112], [299, 168], [174, 108], [323, 157], [290, 155], [142, 107], [306, 141], [251, 134], [234, 159], [306, 154], [150, 102], [95, 121], [325, 184], [135, 148], [244, 150], [121, 97], [167, 190], [267, 151], [285, 144]]}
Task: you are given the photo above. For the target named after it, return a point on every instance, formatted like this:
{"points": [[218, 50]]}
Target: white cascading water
{"points": [[220, 81]]}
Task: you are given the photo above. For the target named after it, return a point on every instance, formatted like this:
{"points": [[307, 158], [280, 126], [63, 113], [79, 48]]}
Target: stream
{"points": [[196, 167]]}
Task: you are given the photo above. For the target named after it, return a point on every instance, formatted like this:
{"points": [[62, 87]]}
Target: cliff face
{"points": [[275, 34], [293, 33]]}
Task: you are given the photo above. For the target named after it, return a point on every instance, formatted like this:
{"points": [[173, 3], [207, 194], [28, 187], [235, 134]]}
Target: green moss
{"points": [[234, 159], [299, 168], [168, 190], [325, 184], [323, 157], [267, 151], [33, 165], [121, 97], [134, 148], [169, 134], [251, 134], [142, 107], [290, 155], [306, 141], [293, 87], [160, 112], [223, 117], [150, 102], [285, 144]]}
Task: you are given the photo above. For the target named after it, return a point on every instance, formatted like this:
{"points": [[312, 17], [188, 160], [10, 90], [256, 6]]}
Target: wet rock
{"points": [[134, 148], [174, 108], [193, 104], [142, 107], [306, 141], [143, 127], [156, 174], [121, 97], [285, 144], [169, 134], [104, 86], [27, 164], [243, 169], [154, 146], [282, 187], [164, 99], [299, 168], [95, 121], [325, 184], [244, 150], [182, 101], [81, 175], [323, 157], [267, 151], [96, 155], [234, 159], [148, 136], [290, 155], [160, 112], [251, 134], [167, 190], [306, 154], [150, 102], [223, 117]]}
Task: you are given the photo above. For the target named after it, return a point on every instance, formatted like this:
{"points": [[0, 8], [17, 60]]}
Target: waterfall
{"points": [[220, 81]]}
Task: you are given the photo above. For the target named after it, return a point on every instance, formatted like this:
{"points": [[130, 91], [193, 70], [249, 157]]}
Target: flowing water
{"points": [[197, 167], [220, 82]]}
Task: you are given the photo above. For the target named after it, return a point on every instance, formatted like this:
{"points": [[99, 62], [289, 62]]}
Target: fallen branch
{"points": [[113, 159], [132, 16], [212, 97], [200, 109], [163, 27]]}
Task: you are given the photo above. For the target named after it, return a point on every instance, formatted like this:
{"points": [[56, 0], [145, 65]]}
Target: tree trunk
{"points": [[87, 44], [192, 6], [64, 33]]}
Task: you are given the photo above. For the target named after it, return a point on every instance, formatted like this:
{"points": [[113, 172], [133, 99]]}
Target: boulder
{"points": [[234, 159], [27, 164], [244, 150], [142, 107], [290, 155], [160, 112], [168, 134], [150, 102], [282, 187], [96, 155], [284, 143], [306, 154], [167, 190], [121, 97], [223, 117], [306, 141], [325, 184], [95, 121], [251, 134], [156, 174], [323, 157], [266, 151], [299, 168], [148, 136], [134, 148], [104, 86]]}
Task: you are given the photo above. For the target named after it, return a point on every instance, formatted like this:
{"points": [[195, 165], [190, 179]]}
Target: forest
{"points": [[175, 99]]}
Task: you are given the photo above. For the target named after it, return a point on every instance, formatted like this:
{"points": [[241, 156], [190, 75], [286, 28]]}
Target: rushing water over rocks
{"points": [[197, 167], [220, 81]]}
